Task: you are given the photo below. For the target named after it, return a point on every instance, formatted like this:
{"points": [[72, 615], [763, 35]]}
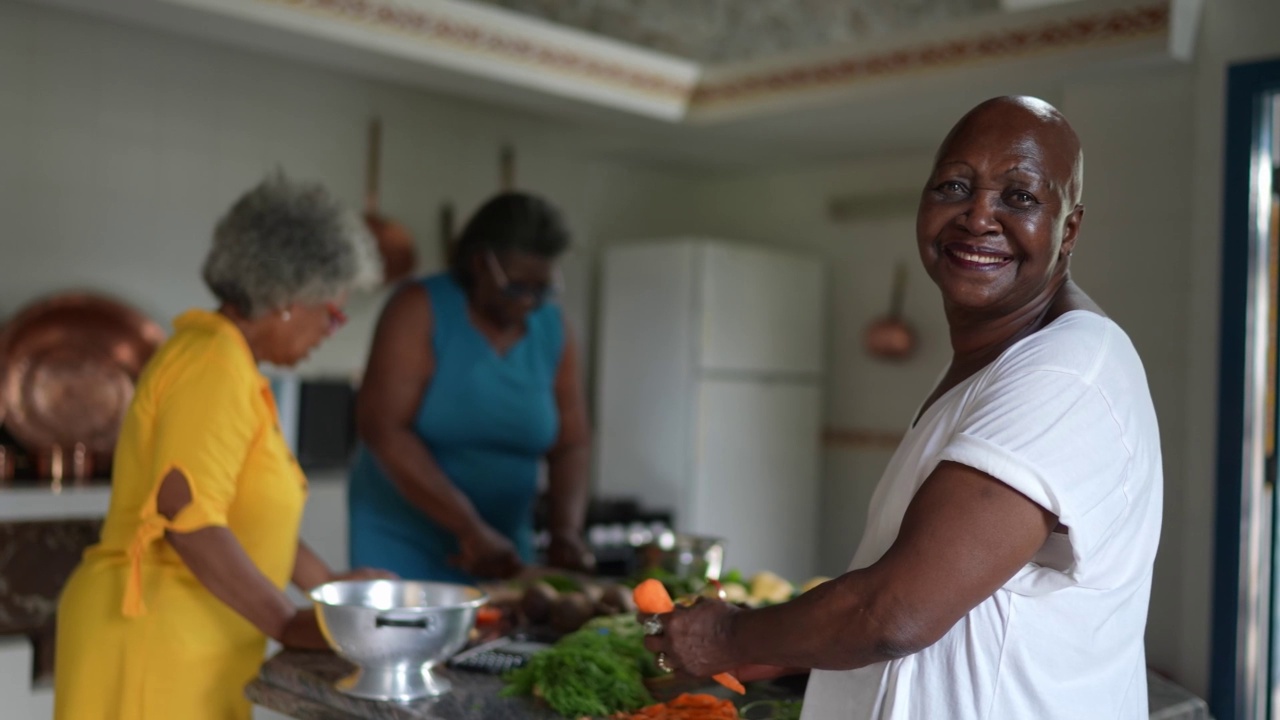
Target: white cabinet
{"points": [[709, 397]]}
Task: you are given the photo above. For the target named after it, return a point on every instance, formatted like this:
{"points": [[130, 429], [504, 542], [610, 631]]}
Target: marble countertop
{"points": [[300, 685]]}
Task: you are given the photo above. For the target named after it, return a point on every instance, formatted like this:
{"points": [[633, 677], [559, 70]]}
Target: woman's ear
{"points": [[1071, 229]]}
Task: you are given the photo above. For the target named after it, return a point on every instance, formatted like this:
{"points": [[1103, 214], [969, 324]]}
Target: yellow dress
{"points": [[138, 636]]}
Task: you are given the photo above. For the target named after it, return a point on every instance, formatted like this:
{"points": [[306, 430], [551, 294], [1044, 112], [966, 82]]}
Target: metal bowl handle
{"points": [[425, 622]]}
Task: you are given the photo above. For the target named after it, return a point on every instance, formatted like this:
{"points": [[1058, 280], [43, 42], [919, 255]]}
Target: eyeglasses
{"points": [[536, 293]]}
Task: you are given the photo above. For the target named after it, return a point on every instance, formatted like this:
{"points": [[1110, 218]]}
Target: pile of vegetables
{"points": [[566, 604], [598, 668], [763, 588], [685, 707], [689, 706], [596, 671]]}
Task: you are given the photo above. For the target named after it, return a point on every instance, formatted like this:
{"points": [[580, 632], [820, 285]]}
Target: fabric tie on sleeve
{"points": [[152, 529]]}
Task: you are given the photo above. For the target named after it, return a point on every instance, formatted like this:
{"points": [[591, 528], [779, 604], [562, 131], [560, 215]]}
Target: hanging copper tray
{"points": [[67, 370]]}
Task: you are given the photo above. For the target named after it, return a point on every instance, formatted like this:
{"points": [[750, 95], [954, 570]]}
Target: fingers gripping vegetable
{"points": [[652, 597]]}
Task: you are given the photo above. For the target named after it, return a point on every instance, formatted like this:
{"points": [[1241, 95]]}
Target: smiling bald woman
{"points": [[1005, 571]]}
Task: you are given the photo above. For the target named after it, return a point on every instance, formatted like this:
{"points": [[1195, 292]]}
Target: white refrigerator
{"points": [[709, 393]]}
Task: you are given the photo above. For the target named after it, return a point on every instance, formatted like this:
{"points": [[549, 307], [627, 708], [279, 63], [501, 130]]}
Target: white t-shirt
{"points": [[1064, 417]]}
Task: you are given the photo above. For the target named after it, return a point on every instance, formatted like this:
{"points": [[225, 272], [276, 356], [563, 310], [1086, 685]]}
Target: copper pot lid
{"points": [[68, 365]]}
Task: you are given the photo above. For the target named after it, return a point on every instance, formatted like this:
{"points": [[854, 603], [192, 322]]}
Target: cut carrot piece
{"points": [[651, 596], [731, 682]]}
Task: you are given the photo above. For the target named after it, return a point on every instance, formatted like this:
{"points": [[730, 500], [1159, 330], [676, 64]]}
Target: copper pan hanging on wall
{"points": [[68, 365], [395, 242], [889, 337]]}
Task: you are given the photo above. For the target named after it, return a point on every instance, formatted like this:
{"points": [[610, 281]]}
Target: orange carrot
{"points": [[731, 682], [651, 597], [686, 707]]}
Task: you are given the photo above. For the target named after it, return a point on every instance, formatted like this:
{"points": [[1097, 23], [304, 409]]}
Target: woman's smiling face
{"points": [[1000, 211]]}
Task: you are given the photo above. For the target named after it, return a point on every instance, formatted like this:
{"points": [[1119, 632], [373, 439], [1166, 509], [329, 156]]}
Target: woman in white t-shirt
{"points": [[1005, 571]]}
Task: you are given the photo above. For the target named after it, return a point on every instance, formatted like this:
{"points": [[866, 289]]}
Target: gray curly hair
{"points": [[284, 242]]}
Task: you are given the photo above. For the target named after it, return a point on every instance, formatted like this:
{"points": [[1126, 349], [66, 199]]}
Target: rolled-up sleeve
{"points": [[1053, 437]]}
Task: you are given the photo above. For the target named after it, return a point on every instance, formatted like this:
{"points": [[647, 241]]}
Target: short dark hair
{"points": [[511, 221]]}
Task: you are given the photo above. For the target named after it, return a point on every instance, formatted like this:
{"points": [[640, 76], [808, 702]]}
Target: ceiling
{"points": [[712, 83], [725, 31]]}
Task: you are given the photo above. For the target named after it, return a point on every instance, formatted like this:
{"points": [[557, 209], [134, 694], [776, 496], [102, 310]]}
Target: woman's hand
{"points": [[302, 632], [697, 640], [487, 553], [569, 552]]}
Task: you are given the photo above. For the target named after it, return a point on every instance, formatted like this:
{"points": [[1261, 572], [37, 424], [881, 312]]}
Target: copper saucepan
{"points": [[395, 242], [68, 365]]}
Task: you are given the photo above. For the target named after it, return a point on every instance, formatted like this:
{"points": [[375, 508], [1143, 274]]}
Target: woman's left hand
{"points": [[364, 574], [696, 639], [569, 552]]}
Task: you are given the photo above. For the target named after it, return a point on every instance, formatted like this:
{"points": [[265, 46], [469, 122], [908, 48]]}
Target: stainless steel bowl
{"points": [[684, 555], [395, 632]]}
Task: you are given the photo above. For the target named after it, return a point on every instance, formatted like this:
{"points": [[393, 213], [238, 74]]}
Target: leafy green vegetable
{"points": [[733, 576], [596, 671], [624, 625], [561, 583], [677, 586]]}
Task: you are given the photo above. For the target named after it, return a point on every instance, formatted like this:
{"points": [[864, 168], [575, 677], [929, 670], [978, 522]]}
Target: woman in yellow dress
{"points": [[168, 616]]}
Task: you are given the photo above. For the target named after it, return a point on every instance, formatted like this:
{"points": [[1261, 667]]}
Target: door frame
{"points": [[1237, 533]]}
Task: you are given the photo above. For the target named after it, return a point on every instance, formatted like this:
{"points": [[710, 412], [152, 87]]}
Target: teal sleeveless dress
{"points": [[488, 421]]}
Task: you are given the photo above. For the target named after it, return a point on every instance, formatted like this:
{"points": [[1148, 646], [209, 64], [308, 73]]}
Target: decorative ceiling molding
{"points": [[478, 41], [718, 32], [518, 47], [471, 40], [1109, 27]]}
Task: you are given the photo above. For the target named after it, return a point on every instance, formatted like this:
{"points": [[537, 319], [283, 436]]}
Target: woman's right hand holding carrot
{"points": [[696, 639]]}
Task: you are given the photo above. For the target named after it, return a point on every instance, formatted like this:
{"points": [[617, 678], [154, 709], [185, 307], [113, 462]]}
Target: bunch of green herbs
{"points": [[596, 671]]}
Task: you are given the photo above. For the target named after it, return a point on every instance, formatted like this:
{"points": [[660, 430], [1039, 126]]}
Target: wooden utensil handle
{"points": [[374, 166]]}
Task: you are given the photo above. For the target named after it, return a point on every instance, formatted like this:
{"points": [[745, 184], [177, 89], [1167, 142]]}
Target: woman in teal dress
{"points": [[472, 383]]}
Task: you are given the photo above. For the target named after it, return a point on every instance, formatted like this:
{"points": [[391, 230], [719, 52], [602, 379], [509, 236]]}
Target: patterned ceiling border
{"points": [[473, 37], [1118, 25], [543, 54]]}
